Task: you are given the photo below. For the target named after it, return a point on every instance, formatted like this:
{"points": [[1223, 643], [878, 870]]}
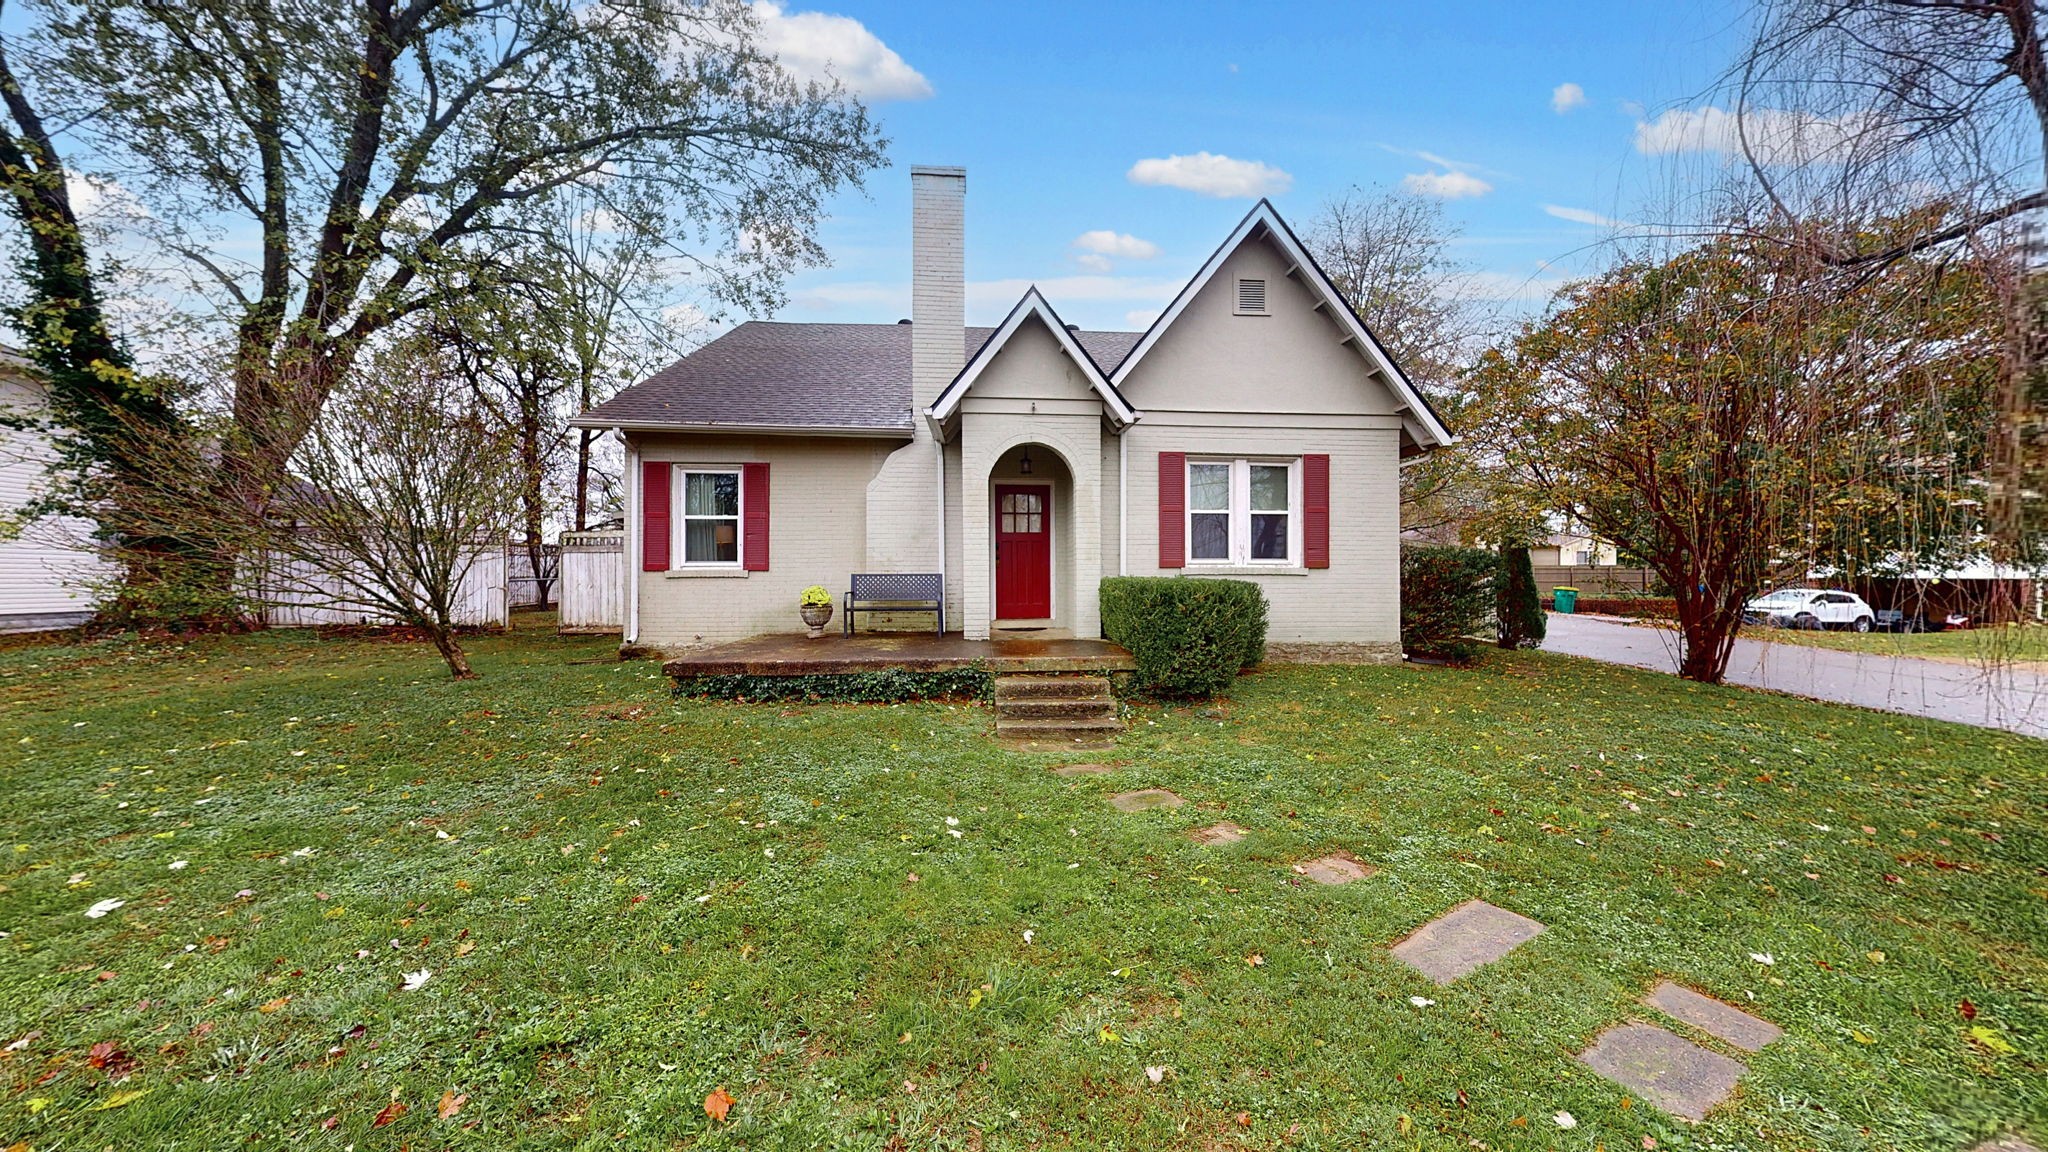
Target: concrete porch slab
{"points": [[794, 654]]}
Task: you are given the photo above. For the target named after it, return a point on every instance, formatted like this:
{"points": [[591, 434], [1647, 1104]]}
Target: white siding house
{"points": [[47, 569]]}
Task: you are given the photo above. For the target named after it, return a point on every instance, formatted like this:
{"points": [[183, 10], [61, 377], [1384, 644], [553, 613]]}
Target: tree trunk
{"points": [[451, 651], [1708, 628], [583, 436]]}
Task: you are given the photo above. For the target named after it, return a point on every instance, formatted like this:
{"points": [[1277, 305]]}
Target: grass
{"points": [[2005, 644], [627, 901]]}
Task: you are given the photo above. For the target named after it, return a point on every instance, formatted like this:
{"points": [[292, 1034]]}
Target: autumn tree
{"points": [[1741, 408], [1390, 253], [367, 153]]}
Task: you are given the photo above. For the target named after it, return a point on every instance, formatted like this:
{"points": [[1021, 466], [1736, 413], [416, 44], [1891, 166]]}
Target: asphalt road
{"points": [[1989, 697]]}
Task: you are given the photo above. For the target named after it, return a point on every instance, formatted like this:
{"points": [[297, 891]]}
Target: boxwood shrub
{"points": [[1190, 636], [1446, 594]]}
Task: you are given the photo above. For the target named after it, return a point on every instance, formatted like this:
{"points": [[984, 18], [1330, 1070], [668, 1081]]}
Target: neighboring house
{"points": [[1575, 549], [46, 567], [1256, 431]]}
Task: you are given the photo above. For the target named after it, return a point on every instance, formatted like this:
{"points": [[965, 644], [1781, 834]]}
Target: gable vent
{"points": [[1251, 297]]}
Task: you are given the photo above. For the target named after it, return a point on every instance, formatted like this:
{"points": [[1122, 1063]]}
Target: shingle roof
{"points": [[769, 374]]}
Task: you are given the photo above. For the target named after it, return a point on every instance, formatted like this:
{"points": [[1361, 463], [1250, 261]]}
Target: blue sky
{"points": [[1050, 106]]}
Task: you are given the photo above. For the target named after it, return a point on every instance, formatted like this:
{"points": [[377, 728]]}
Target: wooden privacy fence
{"points": [[296, 594], [593, 581], [1593, 580]]}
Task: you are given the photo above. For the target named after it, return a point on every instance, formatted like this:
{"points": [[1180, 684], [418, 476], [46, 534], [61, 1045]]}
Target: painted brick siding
{"points": [[817, 520], [1357, 599]]}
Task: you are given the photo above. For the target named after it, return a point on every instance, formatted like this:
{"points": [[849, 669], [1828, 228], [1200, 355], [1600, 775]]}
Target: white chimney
{"points": [[938, 281]]}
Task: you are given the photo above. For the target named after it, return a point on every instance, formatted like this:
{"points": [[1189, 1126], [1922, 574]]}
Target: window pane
{"points": [[1211, 532], [1037, 523], [711, 494], [1269, 488], [1027, 502], [1269, 536], [711, 541], [1209, 487]]}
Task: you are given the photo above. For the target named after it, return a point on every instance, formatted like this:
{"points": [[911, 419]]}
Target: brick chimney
{"points": [[938, 281]]}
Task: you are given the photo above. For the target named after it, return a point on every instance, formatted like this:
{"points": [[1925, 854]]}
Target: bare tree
{"points": [[1390, 254], [400, 489], [1846, 107]]}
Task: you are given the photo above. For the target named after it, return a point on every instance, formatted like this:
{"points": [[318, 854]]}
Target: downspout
{"points": [[939, 447], [1123, 502], [631, 634]]}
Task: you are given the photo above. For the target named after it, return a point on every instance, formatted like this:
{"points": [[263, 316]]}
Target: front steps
{"points": [[1074, 711]]}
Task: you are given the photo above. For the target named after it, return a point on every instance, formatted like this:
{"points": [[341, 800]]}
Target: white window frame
{"points": [[679, 520], [1241, 511]]}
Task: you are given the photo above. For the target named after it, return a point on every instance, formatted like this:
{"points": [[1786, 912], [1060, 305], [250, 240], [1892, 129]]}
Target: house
{"points": [[1256, 431], [1575, 548], [47, 567]]}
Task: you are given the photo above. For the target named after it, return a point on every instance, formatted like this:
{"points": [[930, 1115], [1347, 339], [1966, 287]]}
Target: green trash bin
{"points": [[1566, 599]]}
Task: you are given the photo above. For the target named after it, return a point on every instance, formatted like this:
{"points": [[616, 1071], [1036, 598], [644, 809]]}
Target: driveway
{"points": [[2009, 698]]}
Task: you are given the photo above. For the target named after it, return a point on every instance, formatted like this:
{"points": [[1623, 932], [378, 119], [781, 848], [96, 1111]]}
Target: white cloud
{"points": [[1582, 216], [1142, 317], [1566, 97], [1515, 287], [99, 198], [1061, 290], [1104, 242], [1451, 185], [819, 46], [1094, 262], [1776, 135], [1212, 175]]}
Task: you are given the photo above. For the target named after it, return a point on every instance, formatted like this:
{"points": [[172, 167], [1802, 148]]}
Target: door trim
{"points": [[1052, 564]]}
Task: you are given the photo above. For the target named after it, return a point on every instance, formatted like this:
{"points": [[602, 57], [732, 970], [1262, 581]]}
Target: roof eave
{"points": [[901, 432]]}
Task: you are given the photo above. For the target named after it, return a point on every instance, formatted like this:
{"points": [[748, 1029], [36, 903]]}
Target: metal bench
{"points": [[895, 592]]}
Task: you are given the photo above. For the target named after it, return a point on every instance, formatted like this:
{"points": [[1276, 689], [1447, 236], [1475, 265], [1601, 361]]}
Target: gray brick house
{"points": [[1256, 430]]}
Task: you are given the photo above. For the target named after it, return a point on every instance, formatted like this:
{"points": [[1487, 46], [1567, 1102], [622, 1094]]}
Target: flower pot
{"points": [[816, 616]]}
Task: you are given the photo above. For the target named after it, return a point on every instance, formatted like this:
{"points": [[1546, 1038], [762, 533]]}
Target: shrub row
{"points": [[1446, 594], [882, 686], [1190, 636], [1637, 607]]}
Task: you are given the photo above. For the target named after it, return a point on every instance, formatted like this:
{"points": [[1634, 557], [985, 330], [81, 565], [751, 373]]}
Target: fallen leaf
{"points": [[392, 1111], [102, 908], [718, 1104], [1763, 958], [122, 1099], [32, 1037], [414, 979], [1968, 1010], [1256, 960], [1244, 1119], [1155, 1072], [1990, 1038], [450, 1104], [269, 1006], [331, 1123], [1860, 1036], [1565, 1120], [1874, 956], [465, 947], [1404, 1124]]}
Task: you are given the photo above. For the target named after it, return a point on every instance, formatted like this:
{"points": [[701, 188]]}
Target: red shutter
{"points": [[1173, 507], [1315, 518], [654, 502], [754, 499]]}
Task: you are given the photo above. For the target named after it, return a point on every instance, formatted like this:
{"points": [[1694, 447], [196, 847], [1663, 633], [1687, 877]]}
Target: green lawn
{"points": [[626, 902], [2026, 643]]}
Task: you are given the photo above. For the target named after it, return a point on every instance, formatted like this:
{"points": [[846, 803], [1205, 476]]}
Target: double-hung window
{"points": [[1244, 512], [710, 522]]}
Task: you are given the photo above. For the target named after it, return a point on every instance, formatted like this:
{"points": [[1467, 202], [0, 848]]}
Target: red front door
{"points": [[1023, 552]]}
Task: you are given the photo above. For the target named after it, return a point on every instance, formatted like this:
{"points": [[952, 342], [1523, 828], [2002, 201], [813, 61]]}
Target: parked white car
{"points": [[1810, 608]]}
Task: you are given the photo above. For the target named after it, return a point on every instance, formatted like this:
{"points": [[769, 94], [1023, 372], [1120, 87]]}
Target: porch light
{"points": [[1024, 465]]}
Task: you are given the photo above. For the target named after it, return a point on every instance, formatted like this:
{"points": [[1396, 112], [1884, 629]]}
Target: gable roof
{"points": [[1033, 304], [1424, 426], [772, 376]]}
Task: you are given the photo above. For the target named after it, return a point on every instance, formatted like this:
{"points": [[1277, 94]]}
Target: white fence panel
{"points": [[300, 595], [593, 581]]}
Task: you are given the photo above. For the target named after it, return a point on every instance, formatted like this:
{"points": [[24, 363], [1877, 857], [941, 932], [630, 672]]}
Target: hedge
{"points": [[1190, 636], [881, 686], [1638, 607], [1446, 594]]}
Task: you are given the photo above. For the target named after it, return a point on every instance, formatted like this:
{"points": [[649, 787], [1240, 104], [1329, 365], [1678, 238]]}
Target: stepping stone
{"points": [[1214, 834], [1145, 800], [1336, 868], [1083, 770], [1725, 1021], [1472, 934], [2005, 1144], [1665, 1069]]}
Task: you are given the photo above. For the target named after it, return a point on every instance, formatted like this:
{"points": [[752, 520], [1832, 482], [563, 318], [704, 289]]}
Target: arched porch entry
{"points": [[1030, 545]]}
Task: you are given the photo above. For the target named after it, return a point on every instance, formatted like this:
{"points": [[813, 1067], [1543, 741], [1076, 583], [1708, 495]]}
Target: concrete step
{"points": [[1048, 707], [1092, 727], [1021, 685]]}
